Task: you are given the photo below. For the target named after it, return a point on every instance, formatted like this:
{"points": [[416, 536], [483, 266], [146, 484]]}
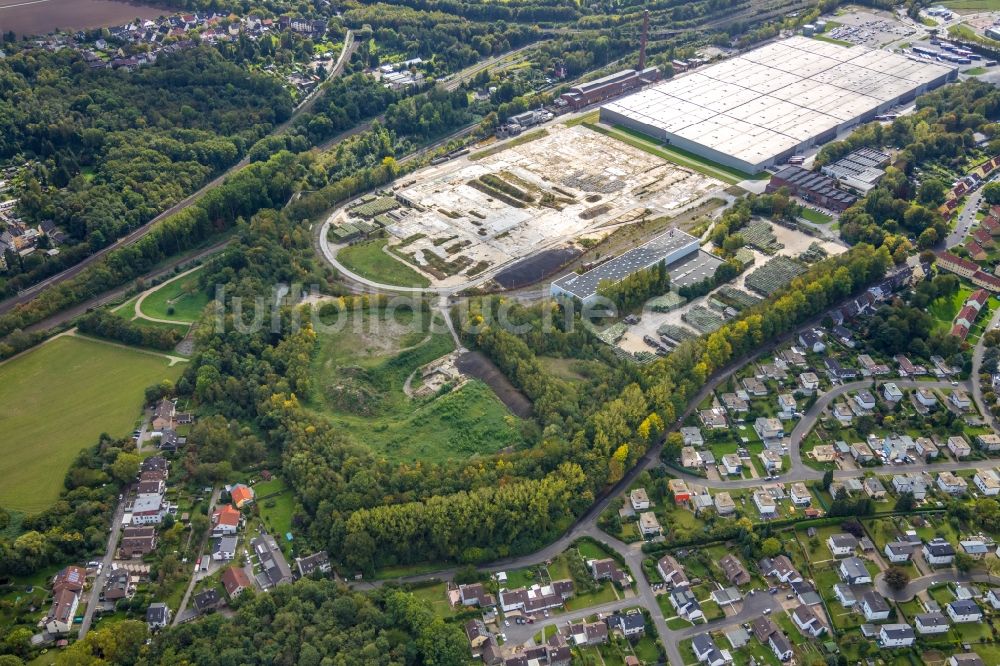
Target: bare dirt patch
{"points": [[476, 364]]}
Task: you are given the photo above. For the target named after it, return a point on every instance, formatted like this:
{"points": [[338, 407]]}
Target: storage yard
{"points": [[759, 108], [466, 218]]}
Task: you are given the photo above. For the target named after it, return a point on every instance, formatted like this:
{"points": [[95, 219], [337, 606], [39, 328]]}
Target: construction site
{"points": [[465, 219]]}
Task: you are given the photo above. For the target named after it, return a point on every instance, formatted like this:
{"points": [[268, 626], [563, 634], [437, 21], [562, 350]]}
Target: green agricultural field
{"points": [[360, 373], [370, 261], [179, 300], [56, 400]]}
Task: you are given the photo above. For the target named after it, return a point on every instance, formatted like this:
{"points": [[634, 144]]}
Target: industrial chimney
{"points": [[642, 44]]}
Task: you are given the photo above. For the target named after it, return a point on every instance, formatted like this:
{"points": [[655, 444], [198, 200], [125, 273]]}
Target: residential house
{"points": [[762, 628], [988, 482], [755, 387], [207, 600], [163, 415], [776, 371], [627, 624], [60, 617], [781, 568], [136, 542], [771, 461], [733, 464], [837, 371], [692, 436], [842, 544], [225, 521], [825, 452], [844, 336], [149, 509], [671, 571], [679, 489], [117, 586], [235, 580], [589, 633], [157, 615], [765, 504], [965, 659], [874, 488], [891, 392], [853, 571], [800, 495], [536, 598], [938, 552], [649, 526], [727, 596], [926, 397], [874, 606], [318, 561], [608, 569], [993, 597], [780, 646], [768, 429], [898, 552], [977, 547], [734, 570], [224, 549], [690, 458], [989, 442], [915, 484], [960, 399], [479, 637], [724, 503], [713, 418], [684, 602], [735, 404], [787, 407], [964, 610], [807, 621], [793, 356], [806, 593], [737, 637], [808, 382], [864, 400], [475, 594], [959, 447], [706, 651], [951, 484], [906, 367], [843, 413], [241, 495], [896, 635], [931, 623], [844, 595], [812, 340], [274, 568], [639, 499], [925, 448], [862, 453]]}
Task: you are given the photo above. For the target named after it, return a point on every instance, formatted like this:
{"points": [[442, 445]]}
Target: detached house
{"points": [[864, 399], [671, 571], [964, 610], [812, 341], [808, 382], [768, 429], [787, 407], [931, 623], [765, 504], [853, 571], [734, 570], [780, 568], [842, 544], [807, 621], [896, 635], [724, 503], [938, 552], [988, 482], [951, 484], [874, 606], [898, 552]]}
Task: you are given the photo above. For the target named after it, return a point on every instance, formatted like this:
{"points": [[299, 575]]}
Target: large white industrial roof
{"points": [[769, 100]]}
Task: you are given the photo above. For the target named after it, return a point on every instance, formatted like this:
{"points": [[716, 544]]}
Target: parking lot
{"points": [[874, 30]]}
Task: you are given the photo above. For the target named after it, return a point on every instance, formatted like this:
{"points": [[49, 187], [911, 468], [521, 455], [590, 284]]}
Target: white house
{"points": [[989, 442], [993, 597], [844, 595], [892, 392], [987, 481], [787, 407], [765, 504], [780, 646], [706, 651], [864, 399], [771, 461], [960, 399], [692, 436], [809, 381], [224, 549], [807, 621], [938, 552], [649, 526], [639, 499], [768, 428], [896, 635], [854, 572], [898, 552], [931, 623], [812, 340], [951, 484], [800, 494], [732, 464], [874, 606], [958, 446], [915, 484], [926, 397], [964, 610], [842, 544]]}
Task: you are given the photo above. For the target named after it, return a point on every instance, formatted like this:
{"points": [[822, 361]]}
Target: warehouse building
{"points": [[813, 187], [607, 87], [670, 247], [760, 108], [860, 171]]}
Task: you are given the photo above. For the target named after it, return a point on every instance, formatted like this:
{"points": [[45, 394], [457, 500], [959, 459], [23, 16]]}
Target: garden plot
{"points": [[774, 275], [459, 219]]}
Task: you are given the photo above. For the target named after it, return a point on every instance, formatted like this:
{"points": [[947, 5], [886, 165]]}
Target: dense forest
{"points": [[108, 150]]}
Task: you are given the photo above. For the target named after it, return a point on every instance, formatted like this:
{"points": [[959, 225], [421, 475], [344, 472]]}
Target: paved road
{"points": [[109, 555], [201, 549], [977, 364], [918, 585], [966, 219]]}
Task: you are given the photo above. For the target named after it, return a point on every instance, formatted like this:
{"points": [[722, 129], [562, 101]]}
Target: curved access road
{"points": [[918, 585]]}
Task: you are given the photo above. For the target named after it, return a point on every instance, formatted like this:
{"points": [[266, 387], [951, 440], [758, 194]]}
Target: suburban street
{"points": [[965, 220], [109, 556], [918, 585]]}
